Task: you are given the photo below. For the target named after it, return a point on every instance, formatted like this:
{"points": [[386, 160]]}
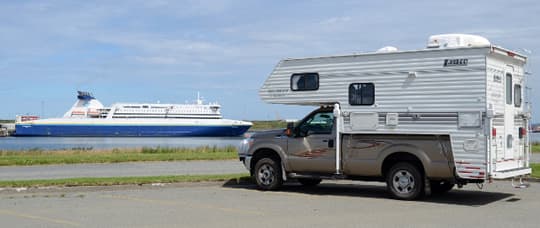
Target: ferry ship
{"points": [[88, 117]]}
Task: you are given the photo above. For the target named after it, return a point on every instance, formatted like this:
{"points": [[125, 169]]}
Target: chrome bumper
{"points": [[243, 154], [246, 161], [511, 173]]}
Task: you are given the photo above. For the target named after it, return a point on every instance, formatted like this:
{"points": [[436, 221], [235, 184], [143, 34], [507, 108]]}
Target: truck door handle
{"points": [[330, 142]]}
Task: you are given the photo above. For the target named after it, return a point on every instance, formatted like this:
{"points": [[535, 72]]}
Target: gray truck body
{"points": [[364, 156]]}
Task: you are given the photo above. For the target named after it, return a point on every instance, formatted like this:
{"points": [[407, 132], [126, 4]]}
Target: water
{"points": [[52, 143], [535, 137]]}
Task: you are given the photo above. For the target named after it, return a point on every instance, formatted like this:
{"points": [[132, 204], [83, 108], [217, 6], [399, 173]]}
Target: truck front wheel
{"points": [[404, 181], [267, 174]]}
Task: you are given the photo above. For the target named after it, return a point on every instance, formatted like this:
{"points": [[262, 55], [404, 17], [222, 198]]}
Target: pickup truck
{"points": [[411, 165]]}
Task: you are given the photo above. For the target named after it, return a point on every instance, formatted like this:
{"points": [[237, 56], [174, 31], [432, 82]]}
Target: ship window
{"points": [[517, 95], [361, 94], [305, 82], [508, 89]]}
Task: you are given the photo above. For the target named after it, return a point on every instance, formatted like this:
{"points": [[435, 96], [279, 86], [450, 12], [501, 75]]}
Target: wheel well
{"points": [[401, 157], [263, 153]]}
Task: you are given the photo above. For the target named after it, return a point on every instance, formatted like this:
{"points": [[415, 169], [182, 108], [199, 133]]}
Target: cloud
{"points": [[503, 31], [150, 43], [156, 60], [335, 20], [224, 43], [269, 36]]}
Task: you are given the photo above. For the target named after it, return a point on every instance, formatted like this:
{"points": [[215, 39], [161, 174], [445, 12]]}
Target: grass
{"points": [[108, 181], [7, 121], [535, 147], [535, 170], [259, 125], [86, 155]]}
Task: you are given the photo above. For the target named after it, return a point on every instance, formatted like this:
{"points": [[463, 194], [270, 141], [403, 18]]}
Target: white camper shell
{"points": [[460, 86]]}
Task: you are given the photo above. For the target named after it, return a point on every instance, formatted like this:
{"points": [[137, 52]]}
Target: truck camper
{"points": [[422, 121]]}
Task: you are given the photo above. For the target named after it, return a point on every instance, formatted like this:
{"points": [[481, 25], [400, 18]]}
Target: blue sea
{"points": [[535, 137], [52, 143], [88, 143]]}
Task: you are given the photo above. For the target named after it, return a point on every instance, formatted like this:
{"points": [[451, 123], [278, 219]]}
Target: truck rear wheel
{"points": [[267, 174], [404, 181]]}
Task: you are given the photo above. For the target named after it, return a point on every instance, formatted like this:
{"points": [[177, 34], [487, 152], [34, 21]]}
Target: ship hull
{"points": [[129, 129]]}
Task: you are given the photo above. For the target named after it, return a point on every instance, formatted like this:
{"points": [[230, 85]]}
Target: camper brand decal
{"points": [[278, 92], [455, 62]]}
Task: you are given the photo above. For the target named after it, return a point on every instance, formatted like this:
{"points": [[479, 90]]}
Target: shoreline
{"points": [[7, 127]]}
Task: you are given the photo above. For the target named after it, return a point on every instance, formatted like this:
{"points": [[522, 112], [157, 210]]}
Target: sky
{"points": [[167, 51]]}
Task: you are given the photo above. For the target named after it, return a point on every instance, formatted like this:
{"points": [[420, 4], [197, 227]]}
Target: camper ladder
{"points": [[521, 184]]}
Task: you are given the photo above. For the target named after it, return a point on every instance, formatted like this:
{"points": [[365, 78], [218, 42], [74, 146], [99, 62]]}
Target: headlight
{"points": [[245, 145]]}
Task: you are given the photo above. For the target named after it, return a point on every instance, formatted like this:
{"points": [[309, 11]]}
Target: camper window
{"points": [[305, 81], [361, 94], [517, 95], [508, 89]]}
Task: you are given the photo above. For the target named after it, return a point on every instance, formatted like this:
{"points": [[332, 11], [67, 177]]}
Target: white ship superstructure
{"points": [[88, 107]]}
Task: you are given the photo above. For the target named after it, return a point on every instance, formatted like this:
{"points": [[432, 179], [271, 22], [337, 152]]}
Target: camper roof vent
{"points": [[456, 41], [387, 49]]}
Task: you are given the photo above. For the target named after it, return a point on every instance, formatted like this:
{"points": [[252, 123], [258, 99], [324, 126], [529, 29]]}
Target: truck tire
{"points": [[267, 174], [441, 187], [405, 181], [309, 182]]}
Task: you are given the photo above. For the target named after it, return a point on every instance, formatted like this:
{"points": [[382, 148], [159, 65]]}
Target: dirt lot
{"points": [[332, 204]]}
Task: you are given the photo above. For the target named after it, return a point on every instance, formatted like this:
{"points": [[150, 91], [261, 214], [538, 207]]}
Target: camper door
{"points": [[512, 145]]}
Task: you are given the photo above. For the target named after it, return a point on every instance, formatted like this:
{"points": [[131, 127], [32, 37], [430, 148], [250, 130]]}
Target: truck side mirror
{"points": [[290, 129]]}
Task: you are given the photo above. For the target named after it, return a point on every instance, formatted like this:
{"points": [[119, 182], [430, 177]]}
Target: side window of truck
{"points": [[320, 123], [361, 94], [305, 82]]}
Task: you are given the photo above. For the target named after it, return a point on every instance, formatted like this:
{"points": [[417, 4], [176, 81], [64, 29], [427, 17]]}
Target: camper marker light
{"points": [[493, 132], [522, 132]]}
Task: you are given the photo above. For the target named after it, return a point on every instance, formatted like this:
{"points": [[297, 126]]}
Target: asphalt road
{"points": [[121, 169], [332, 204], [131, 169], [535, 157]]}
